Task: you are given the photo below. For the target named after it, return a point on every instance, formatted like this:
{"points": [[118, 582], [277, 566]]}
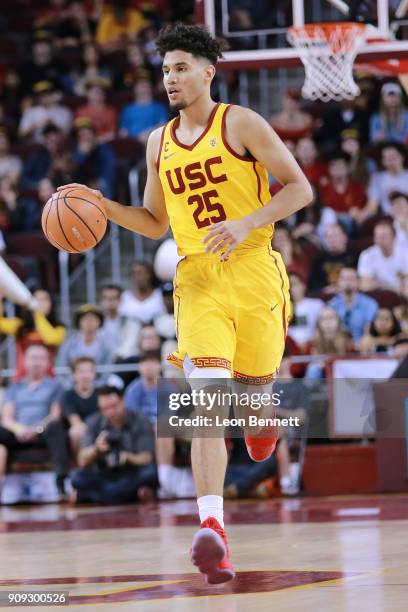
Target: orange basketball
{"points": [[74, 220]]}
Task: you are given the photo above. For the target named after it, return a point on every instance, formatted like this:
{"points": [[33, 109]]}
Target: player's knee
{"points": [[209, 373]]}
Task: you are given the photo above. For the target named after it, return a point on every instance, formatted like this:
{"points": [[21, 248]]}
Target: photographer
{"points": [[116, 461]]}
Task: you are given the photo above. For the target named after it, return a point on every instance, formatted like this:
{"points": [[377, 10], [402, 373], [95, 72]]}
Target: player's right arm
{"points": [[151, 219]]}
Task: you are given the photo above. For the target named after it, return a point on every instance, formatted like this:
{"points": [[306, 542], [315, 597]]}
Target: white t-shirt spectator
{"points": [[10, 166], [143, 310], [37, 117], [382, 184], [387, 271], [306, 315]]}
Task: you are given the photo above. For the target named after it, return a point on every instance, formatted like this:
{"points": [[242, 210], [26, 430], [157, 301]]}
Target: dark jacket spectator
{"points": [[326, 269], [44, 159], [42, 66], [80, 402], [95, 163], [382, 333]]}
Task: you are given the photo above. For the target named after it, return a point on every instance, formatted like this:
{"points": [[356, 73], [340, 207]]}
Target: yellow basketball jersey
{"points": [[207, 182]]}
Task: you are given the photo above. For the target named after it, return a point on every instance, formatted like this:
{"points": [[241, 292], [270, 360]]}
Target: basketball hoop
{"points": [[328, 51]]}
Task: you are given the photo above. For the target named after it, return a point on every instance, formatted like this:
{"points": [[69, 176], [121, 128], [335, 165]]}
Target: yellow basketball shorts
{"points": [[232, 314]]}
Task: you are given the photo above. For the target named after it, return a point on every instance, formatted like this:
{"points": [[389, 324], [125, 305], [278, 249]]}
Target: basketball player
{"points": [[208, 175]]}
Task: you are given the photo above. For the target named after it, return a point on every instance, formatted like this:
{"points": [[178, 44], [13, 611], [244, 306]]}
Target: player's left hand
{"points": [[225, 236]]}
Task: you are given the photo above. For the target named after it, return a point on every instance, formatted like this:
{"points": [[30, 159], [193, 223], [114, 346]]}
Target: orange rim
{"points": [[314, 31]]}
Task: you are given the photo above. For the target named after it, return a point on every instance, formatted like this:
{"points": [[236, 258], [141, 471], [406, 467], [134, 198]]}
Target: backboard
{"points": [[257, 30]]}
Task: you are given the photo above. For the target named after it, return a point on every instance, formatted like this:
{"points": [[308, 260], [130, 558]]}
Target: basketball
{"points": [[74, 220]]}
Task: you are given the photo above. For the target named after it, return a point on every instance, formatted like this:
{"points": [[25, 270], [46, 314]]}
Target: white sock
{"points": [[165, 476], [211, 505]]}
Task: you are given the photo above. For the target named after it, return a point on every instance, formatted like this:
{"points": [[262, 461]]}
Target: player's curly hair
{"points": [[193, 39]]}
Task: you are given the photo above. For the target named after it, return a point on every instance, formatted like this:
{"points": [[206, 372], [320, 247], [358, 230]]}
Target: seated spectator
{"points": [[307, 156], [149, 339], [138, 119], [399, 213], [66, 21], [42, 162], [95, 162], [92, 69], [359, 166], [305, 312], [40, 326], [291, 123], [45, 110], [330, 339], [129, 351], [116, 461], [382, 333], [22, 213], [339, 117], [9, 211], [80, 402], [290, 250], [144, 302], [335, 256], [135, 68], [102, 115], [42, 66], [87, 341], [355, 309], [382, 265], [393, 177], [119, 24], [112, 322], [11, 94], [141, 394], [122, 333], [342, 194], [31, 414], [29, 208], [10, 165], [391, 122]]}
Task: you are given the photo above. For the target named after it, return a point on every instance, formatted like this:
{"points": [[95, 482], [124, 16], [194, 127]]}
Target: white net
{"points": [[328, 52]]}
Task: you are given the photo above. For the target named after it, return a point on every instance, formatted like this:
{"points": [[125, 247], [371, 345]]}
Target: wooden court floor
{"points": [[333, 554]]}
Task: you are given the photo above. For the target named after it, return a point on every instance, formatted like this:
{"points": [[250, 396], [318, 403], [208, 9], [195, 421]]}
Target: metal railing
{"points": [[86, 269]]}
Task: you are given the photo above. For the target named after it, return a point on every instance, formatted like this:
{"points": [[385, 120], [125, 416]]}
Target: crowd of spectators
{"points": [[92, 81], [80, 86], [346, 253]]}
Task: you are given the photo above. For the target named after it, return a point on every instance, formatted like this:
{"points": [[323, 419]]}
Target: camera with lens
{"points": [[112, 457]]}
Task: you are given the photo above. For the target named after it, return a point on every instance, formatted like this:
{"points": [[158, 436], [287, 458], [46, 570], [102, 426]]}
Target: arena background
{"points": [[80, 91]]}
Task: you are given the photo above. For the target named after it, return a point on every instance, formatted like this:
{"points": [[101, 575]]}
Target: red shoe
{"points": [[261, 446], [210, 552]]}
